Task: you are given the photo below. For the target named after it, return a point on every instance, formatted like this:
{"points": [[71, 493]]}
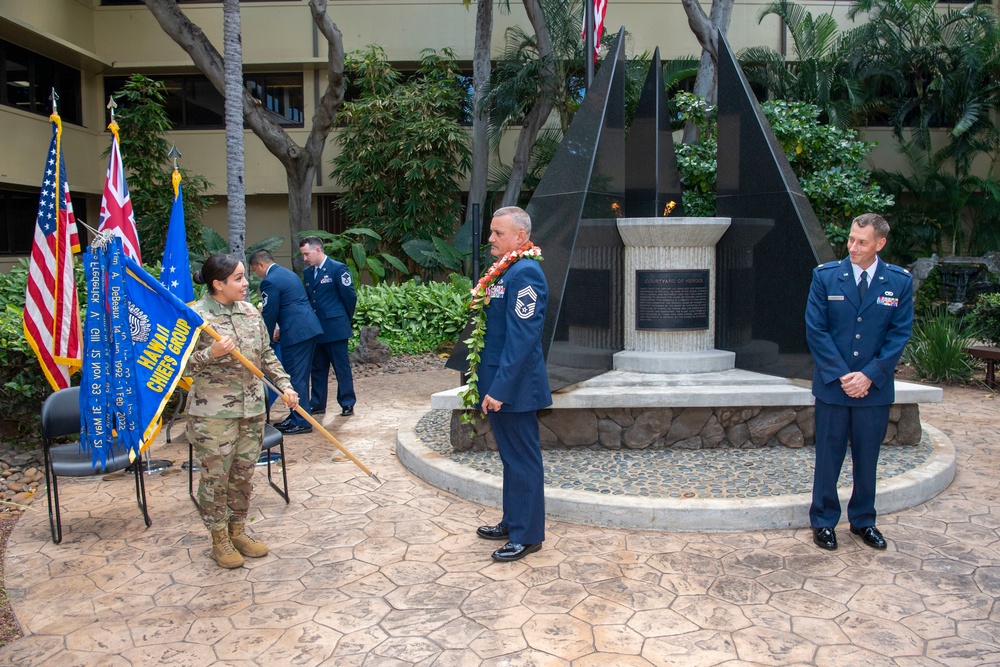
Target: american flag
{"points": [[116, 207], [51, 310], [600, 9]]}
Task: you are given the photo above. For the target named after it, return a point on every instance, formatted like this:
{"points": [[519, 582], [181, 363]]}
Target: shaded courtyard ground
{"points": [[361, 574]]}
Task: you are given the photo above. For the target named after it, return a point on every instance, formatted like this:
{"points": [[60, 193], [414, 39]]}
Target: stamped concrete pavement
{"points": [[361, 574]]}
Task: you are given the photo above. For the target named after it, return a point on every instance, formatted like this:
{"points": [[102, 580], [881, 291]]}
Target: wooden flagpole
{"points": [[308, 417]]}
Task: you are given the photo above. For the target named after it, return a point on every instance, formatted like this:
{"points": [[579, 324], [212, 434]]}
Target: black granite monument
{"points": [[758, 190]]}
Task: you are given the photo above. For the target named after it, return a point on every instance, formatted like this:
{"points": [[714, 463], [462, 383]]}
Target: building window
{"points": [[193, 103], [281, 94], [332, 218], [18, 210], [27, 80]]}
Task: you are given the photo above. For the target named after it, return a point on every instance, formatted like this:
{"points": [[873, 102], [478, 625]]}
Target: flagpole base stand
{"points": [[152, 466]]}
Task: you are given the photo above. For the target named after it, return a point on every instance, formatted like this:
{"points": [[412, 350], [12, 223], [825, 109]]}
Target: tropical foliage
{"points": [[402, 150], [937, 348], [143, 126], [827, 160], [412, 317]]}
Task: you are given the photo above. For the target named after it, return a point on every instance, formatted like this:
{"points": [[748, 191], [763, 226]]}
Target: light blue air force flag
{"points": [[176, 276], [137, 341]]}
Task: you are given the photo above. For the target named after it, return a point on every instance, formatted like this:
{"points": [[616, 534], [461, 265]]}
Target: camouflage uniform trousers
{"points": [[226, 451]]}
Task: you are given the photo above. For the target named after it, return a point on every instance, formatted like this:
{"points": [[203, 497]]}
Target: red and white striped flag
{"points": [[51, 310], [600, 9], [116, 207]]}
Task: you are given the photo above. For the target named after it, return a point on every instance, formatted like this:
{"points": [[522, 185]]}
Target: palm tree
{"points": [[236, 205], [826, 70]]}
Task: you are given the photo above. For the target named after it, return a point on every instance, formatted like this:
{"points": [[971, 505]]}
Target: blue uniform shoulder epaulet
{"points": [[897, 269], [828, 265]]}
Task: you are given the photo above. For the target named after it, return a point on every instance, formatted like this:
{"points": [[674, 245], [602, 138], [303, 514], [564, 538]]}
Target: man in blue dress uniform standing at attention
{"points": [[858, 320], [514, 384], [331, 292], [290, 322]]}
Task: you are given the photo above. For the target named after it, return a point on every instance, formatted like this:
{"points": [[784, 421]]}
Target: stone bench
{"points": [[727, 409]]}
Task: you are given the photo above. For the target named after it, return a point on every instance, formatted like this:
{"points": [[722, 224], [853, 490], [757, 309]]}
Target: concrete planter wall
{"points": [[681, 428]]}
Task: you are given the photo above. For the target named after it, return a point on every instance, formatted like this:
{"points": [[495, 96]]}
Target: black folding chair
{"points": [[61, 417]]}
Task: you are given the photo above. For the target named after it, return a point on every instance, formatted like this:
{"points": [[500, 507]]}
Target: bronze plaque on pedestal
{"points": [[671, 300]]}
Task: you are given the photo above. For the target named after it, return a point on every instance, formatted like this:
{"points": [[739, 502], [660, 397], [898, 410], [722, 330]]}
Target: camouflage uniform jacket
{"points": [[222, 386]]}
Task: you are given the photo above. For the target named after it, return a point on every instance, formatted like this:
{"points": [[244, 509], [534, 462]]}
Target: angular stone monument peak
{"points": [[652, 180], [761, 300]]}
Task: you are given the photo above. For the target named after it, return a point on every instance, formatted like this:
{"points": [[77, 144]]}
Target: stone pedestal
{"points": [[659, 246]]}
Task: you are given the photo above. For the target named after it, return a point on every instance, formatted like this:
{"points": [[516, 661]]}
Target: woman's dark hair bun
{"points": [[197, 277]]}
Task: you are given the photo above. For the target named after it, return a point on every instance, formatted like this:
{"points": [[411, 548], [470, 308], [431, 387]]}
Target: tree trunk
{"points": [[533, 123], [480, 114], [539, 112], [236, 205], [706, 29], [300, 162]]}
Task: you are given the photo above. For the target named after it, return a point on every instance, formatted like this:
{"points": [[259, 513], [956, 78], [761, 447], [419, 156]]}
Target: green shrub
{"points": [[23, 387], [414, 318], [937, 348], [986, 318]]}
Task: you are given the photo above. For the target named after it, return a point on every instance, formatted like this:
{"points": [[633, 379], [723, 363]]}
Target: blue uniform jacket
{"points": [[331, 293], [285, 303], [846, 336], [512, 369]]}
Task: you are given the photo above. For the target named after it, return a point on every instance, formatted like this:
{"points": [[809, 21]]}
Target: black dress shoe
{"points": [[514, 551], [871, 536], [825, 538], [317, 411], [497, 532], [296, 430], [284, 423], [348, 411]]}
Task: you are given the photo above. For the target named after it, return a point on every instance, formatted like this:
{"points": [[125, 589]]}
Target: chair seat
{"points": [[69, 461], [272, 437]]}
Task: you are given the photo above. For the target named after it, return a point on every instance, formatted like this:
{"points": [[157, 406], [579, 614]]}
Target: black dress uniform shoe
{"points": [[348, 411], [296, 430], [514, 551], [497, 532], [284, 423], [317, 411], [825, 538], [871, 536]]}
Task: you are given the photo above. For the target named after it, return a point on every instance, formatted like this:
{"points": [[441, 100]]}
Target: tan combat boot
{"points": [[223, 552], [246, 544]]}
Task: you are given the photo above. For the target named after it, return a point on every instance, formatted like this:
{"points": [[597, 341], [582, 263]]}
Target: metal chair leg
{"points": [[283, 492]]}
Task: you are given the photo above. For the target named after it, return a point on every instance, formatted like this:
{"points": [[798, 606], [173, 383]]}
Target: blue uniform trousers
{"points": [[297, 360], [865, 427], [523, 478], [333, 352]]}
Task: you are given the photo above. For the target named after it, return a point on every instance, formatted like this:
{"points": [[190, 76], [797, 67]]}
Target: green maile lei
{"points": [[480, 299]]}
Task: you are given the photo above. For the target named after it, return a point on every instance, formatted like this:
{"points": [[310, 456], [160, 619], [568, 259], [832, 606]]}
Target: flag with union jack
{"points": [[51, 310], [116, 207]]}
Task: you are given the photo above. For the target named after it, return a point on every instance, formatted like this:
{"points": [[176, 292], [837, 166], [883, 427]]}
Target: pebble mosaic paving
{"points": [[672, 473]]}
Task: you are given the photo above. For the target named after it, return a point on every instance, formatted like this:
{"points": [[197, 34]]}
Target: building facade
{"points": [[85, 48]]}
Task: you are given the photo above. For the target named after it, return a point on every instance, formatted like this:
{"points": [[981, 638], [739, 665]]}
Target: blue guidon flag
{"points": [[137, 339]]}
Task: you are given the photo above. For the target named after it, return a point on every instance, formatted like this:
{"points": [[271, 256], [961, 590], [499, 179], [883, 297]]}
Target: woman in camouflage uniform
{"points": [[226, 407]]}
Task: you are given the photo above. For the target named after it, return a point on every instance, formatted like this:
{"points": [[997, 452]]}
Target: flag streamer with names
{"points": [[135, 348]]}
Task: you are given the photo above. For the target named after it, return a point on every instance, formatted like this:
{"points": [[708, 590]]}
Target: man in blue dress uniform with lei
{"points": [[513, 381]]}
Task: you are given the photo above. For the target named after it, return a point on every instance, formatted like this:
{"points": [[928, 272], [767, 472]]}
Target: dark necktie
{"points": [[863, 285]]}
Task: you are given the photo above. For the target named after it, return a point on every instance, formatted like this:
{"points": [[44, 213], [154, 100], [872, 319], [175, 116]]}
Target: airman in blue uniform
{"points": [[330, 288], [292, 324], [858, 320], [514, 385]]}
